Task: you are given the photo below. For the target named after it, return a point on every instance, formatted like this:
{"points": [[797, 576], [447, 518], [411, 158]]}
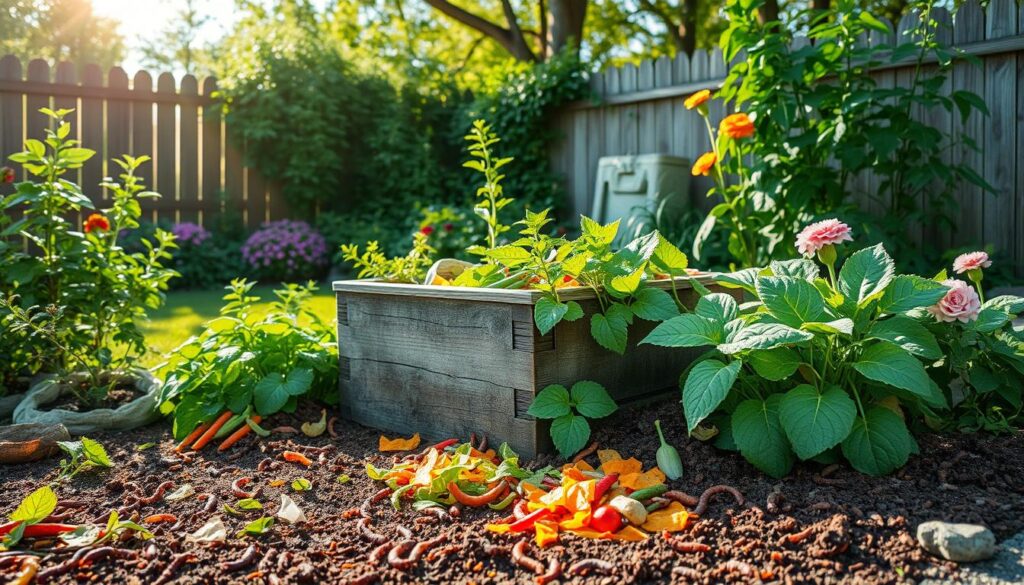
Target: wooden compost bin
{"points": [[448, 361]]}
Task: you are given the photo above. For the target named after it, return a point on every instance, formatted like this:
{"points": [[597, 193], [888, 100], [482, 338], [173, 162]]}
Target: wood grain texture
{"points": [[447, 367]]}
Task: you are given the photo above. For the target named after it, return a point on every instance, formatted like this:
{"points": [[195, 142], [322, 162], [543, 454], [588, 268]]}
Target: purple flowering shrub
{"points": [[188, 233], [286, 250]]}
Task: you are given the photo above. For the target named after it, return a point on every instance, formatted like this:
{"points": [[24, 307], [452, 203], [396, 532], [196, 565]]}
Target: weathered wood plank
{"points": [[188, 150], [36, 123], [12, 123], [166, 147], [142, 138], [646, 122], [119, 121], [629, 117], [92, 124], [211, 185]]}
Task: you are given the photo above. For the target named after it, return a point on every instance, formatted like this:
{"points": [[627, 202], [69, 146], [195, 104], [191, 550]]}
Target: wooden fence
{"points": [[195, 168], [639, 110]]}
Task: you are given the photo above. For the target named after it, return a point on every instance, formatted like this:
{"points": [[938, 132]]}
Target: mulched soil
{"points": [[819, 525]]}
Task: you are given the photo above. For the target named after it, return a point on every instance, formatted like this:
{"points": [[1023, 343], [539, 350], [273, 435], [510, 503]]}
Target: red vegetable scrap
{"points": [[238, 488], [296, 457]]}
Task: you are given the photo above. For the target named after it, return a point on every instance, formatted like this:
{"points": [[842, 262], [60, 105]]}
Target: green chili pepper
{"points": [[649, 492], [668, 457], [233, 423], [504, 503]]}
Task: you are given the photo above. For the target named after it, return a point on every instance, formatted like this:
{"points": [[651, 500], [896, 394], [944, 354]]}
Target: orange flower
{"points": [[697, 99], [704, 164], [96, 222], [737, 126]]}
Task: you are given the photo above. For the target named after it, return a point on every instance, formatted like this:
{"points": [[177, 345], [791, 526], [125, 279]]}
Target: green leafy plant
{"points": [[569, 411], [243, 360], [373, 263], [813, 365], [101, 289], [481, 139], [84, 454], [32, 510]]}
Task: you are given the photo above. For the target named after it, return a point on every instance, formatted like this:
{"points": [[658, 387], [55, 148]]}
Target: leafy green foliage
{"points": [[481, 138], [82, 455], [83, 293], [813, 364], [242, 360], [569, 411], [411, 268]]}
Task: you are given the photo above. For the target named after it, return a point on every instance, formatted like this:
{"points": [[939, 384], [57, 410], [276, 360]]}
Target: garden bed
{"points": [[871, 520], [448, 361]]}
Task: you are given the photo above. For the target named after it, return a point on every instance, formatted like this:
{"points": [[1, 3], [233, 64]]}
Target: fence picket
{"points": [[12, 126], [91, 124], [167, 151], [1000, 91], [210, 192], [36, 123], [119, 122], [190, 203], [142, 137]]}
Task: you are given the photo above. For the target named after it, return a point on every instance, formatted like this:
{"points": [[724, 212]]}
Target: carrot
{"points": [[239, 434], [191, 438], [296, 458], [210, 432], [158, 518]]}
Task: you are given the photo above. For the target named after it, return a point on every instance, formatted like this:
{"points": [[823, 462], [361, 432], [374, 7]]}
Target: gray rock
{"points": [[957, 542]]}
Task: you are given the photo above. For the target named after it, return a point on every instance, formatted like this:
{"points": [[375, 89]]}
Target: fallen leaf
{"points": [[409, 444], [213, 531], [316, 429], [622, 467], [639, 481], [185, 491], [290, 511], [673, 519]]}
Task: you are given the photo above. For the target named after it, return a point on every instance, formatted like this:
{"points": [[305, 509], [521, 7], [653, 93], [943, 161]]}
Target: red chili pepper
{"points": [[445, 444], [38, 530], [527, 522], [603, 485]]}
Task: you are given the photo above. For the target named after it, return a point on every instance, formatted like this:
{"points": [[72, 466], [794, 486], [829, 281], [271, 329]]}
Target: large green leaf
{"points": [[686, 331], [610, 331], [758, 434], [509, 255], [909, 292], [989, 320], [551, 402], [274, 390], [592, 400], [791, 300], [547, 313], [774, 364], [654, 304], [1005, 303], [35, 507], [569, 433], [764, 336], [893, 365], [797, 267], [866, 273], [879, 443], [908, 334], [815, 422], [745, 279], [706, 387], [717, 307], [669, 259]]}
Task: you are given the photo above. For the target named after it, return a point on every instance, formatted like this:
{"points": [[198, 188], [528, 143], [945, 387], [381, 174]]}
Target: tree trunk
{"points": [[689, 26], [510, 38], [566, 18], [769, 11], [820, 4]]}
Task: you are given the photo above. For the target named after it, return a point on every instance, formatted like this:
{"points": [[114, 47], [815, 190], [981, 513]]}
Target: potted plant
{"points": [[72, 298]]}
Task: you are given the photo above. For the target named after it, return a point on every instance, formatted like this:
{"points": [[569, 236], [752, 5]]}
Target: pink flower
{"points": [[961, 303], [824, 233], [971, 261]]}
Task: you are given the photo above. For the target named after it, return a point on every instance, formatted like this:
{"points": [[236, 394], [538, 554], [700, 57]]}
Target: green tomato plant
{"points": [[247, 359]]}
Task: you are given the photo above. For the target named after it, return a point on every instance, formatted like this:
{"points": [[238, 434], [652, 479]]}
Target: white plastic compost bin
{"points": [[625, 183]]}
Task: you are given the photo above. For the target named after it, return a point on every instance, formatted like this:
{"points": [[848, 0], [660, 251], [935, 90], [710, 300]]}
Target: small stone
{"points": [[957, 542]]}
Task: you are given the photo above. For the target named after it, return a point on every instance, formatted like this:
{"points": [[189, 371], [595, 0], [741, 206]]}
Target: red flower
{"points": [[449, 227], [567, 278], [96, 222], [6, 175], [427, 230]]}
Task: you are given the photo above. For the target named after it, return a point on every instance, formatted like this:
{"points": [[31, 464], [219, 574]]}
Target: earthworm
{"points": [[689, 547], [444, 551], [211, 504], [75, 503], [330, 427], [238, 484], [494, 550], [702, 504], [455, 509], [29, 568], [176, 563], [248, 557], [744, 569], [681, 497], [424, 520], [404, 531], [285, 430], [553, 572], [57, 518], [424, 546], [108, 551], [266, 464], [520, 558], [62, 568], [585, 453], [800, 536], [381, 552], [590, 566], [239, 452], [395, 555], [374, 537], [483, 445], [472, 440], [370, 501], [688, 573], [366, 579], [159, 495]]}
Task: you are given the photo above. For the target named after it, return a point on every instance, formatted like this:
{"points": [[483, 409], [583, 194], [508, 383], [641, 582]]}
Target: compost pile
{"points": [[289, 508]]}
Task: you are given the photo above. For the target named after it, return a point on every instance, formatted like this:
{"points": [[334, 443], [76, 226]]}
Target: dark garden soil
{"points": [[114, 398], [819, 525]]}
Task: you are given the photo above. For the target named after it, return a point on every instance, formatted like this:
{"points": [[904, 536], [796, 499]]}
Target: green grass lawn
{"points": [[185, 313]]}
